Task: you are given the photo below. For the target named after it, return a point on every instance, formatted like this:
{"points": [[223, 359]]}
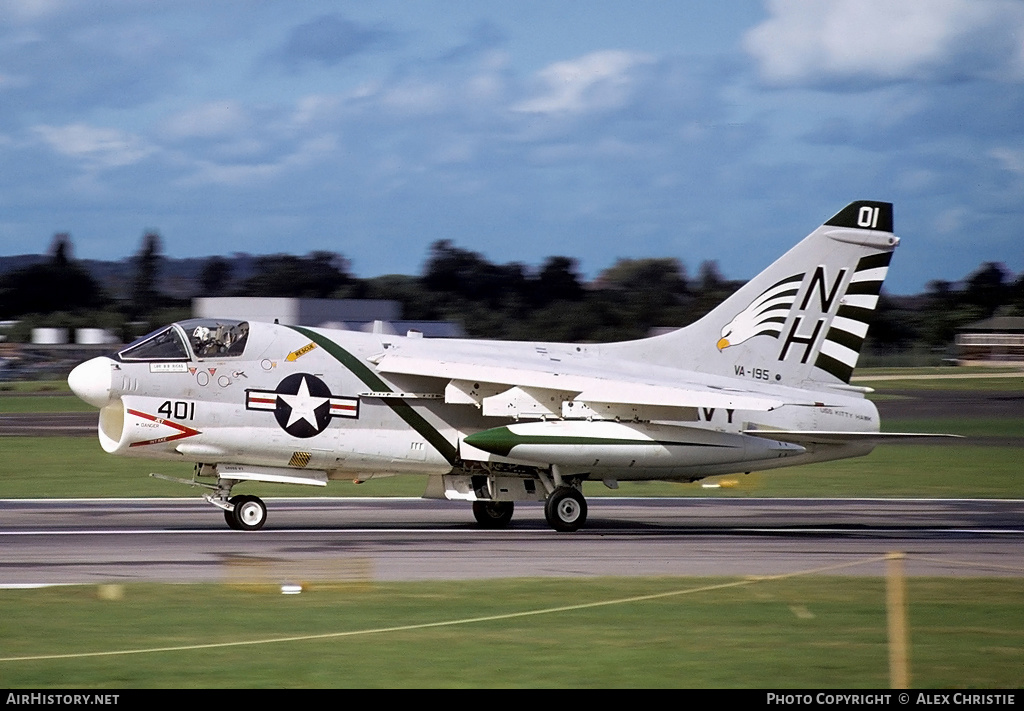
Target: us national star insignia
{"points": [[302, 404]]}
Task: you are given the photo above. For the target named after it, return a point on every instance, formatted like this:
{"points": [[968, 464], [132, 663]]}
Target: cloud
{"points": [[216, 118], [25, 10], [1010, 159], [869, 42], [329, 40], [307, 153], [482, 37], [74, 57], [597, 81], [951, 221], [95, 147]]}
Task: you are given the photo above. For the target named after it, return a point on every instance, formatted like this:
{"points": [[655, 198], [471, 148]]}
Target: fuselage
{"points": [[313, 399]]}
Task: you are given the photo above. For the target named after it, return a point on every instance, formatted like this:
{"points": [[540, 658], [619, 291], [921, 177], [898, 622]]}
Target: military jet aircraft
{"points": [[762, 381]]}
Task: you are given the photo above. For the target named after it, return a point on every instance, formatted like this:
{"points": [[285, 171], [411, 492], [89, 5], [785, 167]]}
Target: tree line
{"points": [[513, 300]]}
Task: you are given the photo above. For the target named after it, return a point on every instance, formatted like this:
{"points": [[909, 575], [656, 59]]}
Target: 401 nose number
{"points": [[178, 410]]}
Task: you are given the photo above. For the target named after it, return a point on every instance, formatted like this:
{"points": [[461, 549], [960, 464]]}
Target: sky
{"points": [[721, 131]]}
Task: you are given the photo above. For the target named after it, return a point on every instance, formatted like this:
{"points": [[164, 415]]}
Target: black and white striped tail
{"points": [[845, 337]]}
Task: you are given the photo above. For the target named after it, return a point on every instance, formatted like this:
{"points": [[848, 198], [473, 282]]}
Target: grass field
{"points": [[18, 404], [34, 386], [39, 468], [944, 370], [960, 378], [810, 632], [1015, 383]]}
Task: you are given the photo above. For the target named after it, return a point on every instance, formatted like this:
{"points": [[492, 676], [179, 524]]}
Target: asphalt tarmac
{"points": [[366, 540]]}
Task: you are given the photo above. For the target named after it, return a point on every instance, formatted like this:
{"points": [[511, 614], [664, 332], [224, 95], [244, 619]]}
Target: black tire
{"points": [[229, 516], [250, 513], [493, 514], [566, 509]]}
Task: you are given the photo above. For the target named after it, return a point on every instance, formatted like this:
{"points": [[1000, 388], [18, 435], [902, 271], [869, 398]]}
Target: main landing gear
{"points": [[566, 509], [493, 514]]}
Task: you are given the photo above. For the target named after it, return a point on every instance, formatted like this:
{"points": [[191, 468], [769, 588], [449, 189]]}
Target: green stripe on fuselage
{"points": [[375, 384]]}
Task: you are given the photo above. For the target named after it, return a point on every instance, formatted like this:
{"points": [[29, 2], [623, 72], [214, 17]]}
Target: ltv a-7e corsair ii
{"points": [[762, 381]]}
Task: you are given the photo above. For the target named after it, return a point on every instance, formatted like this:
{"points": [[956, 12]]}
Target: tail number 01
{"points": [[867, 217]]}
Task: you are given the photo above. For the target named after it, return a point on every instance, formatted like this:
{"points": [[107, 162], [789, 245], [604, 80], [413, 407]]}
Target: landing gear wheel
{"points": [[229, 516], [493, 514], [250, 513], [566, 509]]}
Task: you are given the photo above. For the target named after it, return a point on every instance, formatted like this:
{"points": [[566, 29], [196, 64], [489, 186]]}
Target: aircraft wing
{"points": [[503, 389], [825, 437]]}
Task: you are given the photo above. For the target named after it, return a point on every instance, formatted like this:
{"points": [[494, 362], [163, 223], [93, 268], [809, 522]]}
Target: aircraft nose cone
{"points": [[90, 381]]}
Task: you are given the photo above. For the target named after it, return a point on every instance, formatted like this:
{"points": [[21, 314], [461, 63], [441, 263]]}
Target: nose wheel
{"points": [[249, 513], [241, 513]]}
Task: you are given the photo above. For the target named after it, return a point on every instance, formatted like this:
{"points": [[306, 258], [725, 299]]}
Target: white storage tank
{"points": [[49, 336], [93, 336]]}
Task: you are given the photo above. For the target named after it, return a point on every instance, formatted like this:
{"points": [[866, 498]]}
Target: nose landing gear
{"points": [[241, 513], [248, 513]]}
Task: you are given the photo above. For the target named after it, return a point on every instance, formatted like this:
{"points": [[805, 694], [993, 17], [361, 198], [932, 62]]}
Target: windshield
{"points": [[208, 338], [162, 344]]}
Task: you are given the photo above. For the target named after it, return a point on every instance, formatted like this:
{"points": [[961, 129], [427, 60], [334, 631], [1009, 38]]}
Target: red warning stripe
{"points": [[344, 407], [183, 431]]}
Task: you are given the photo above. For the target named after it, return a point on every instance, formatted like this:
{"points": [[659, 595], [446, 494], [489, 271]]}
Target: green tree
{"points": [[558, 281], [453, 270], [638, 294], [145, 296], [1017, 294], [709, 278], [215, 276], [319, 275], [658, 276], [987, 288], [58, 284]]}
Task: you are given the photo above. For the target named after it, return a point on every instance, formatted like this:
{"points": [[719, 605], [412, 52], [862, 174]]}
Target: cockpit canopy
{"points": [[195, 338]]}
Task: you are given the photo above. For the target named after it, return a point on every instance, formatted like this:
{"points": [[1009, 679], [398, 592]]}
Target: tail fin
{"points": [[804, 318]]}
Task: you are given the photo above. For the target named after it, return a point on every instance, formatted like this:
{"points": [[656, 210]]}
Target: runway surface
{"points": [[361, 540]]}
